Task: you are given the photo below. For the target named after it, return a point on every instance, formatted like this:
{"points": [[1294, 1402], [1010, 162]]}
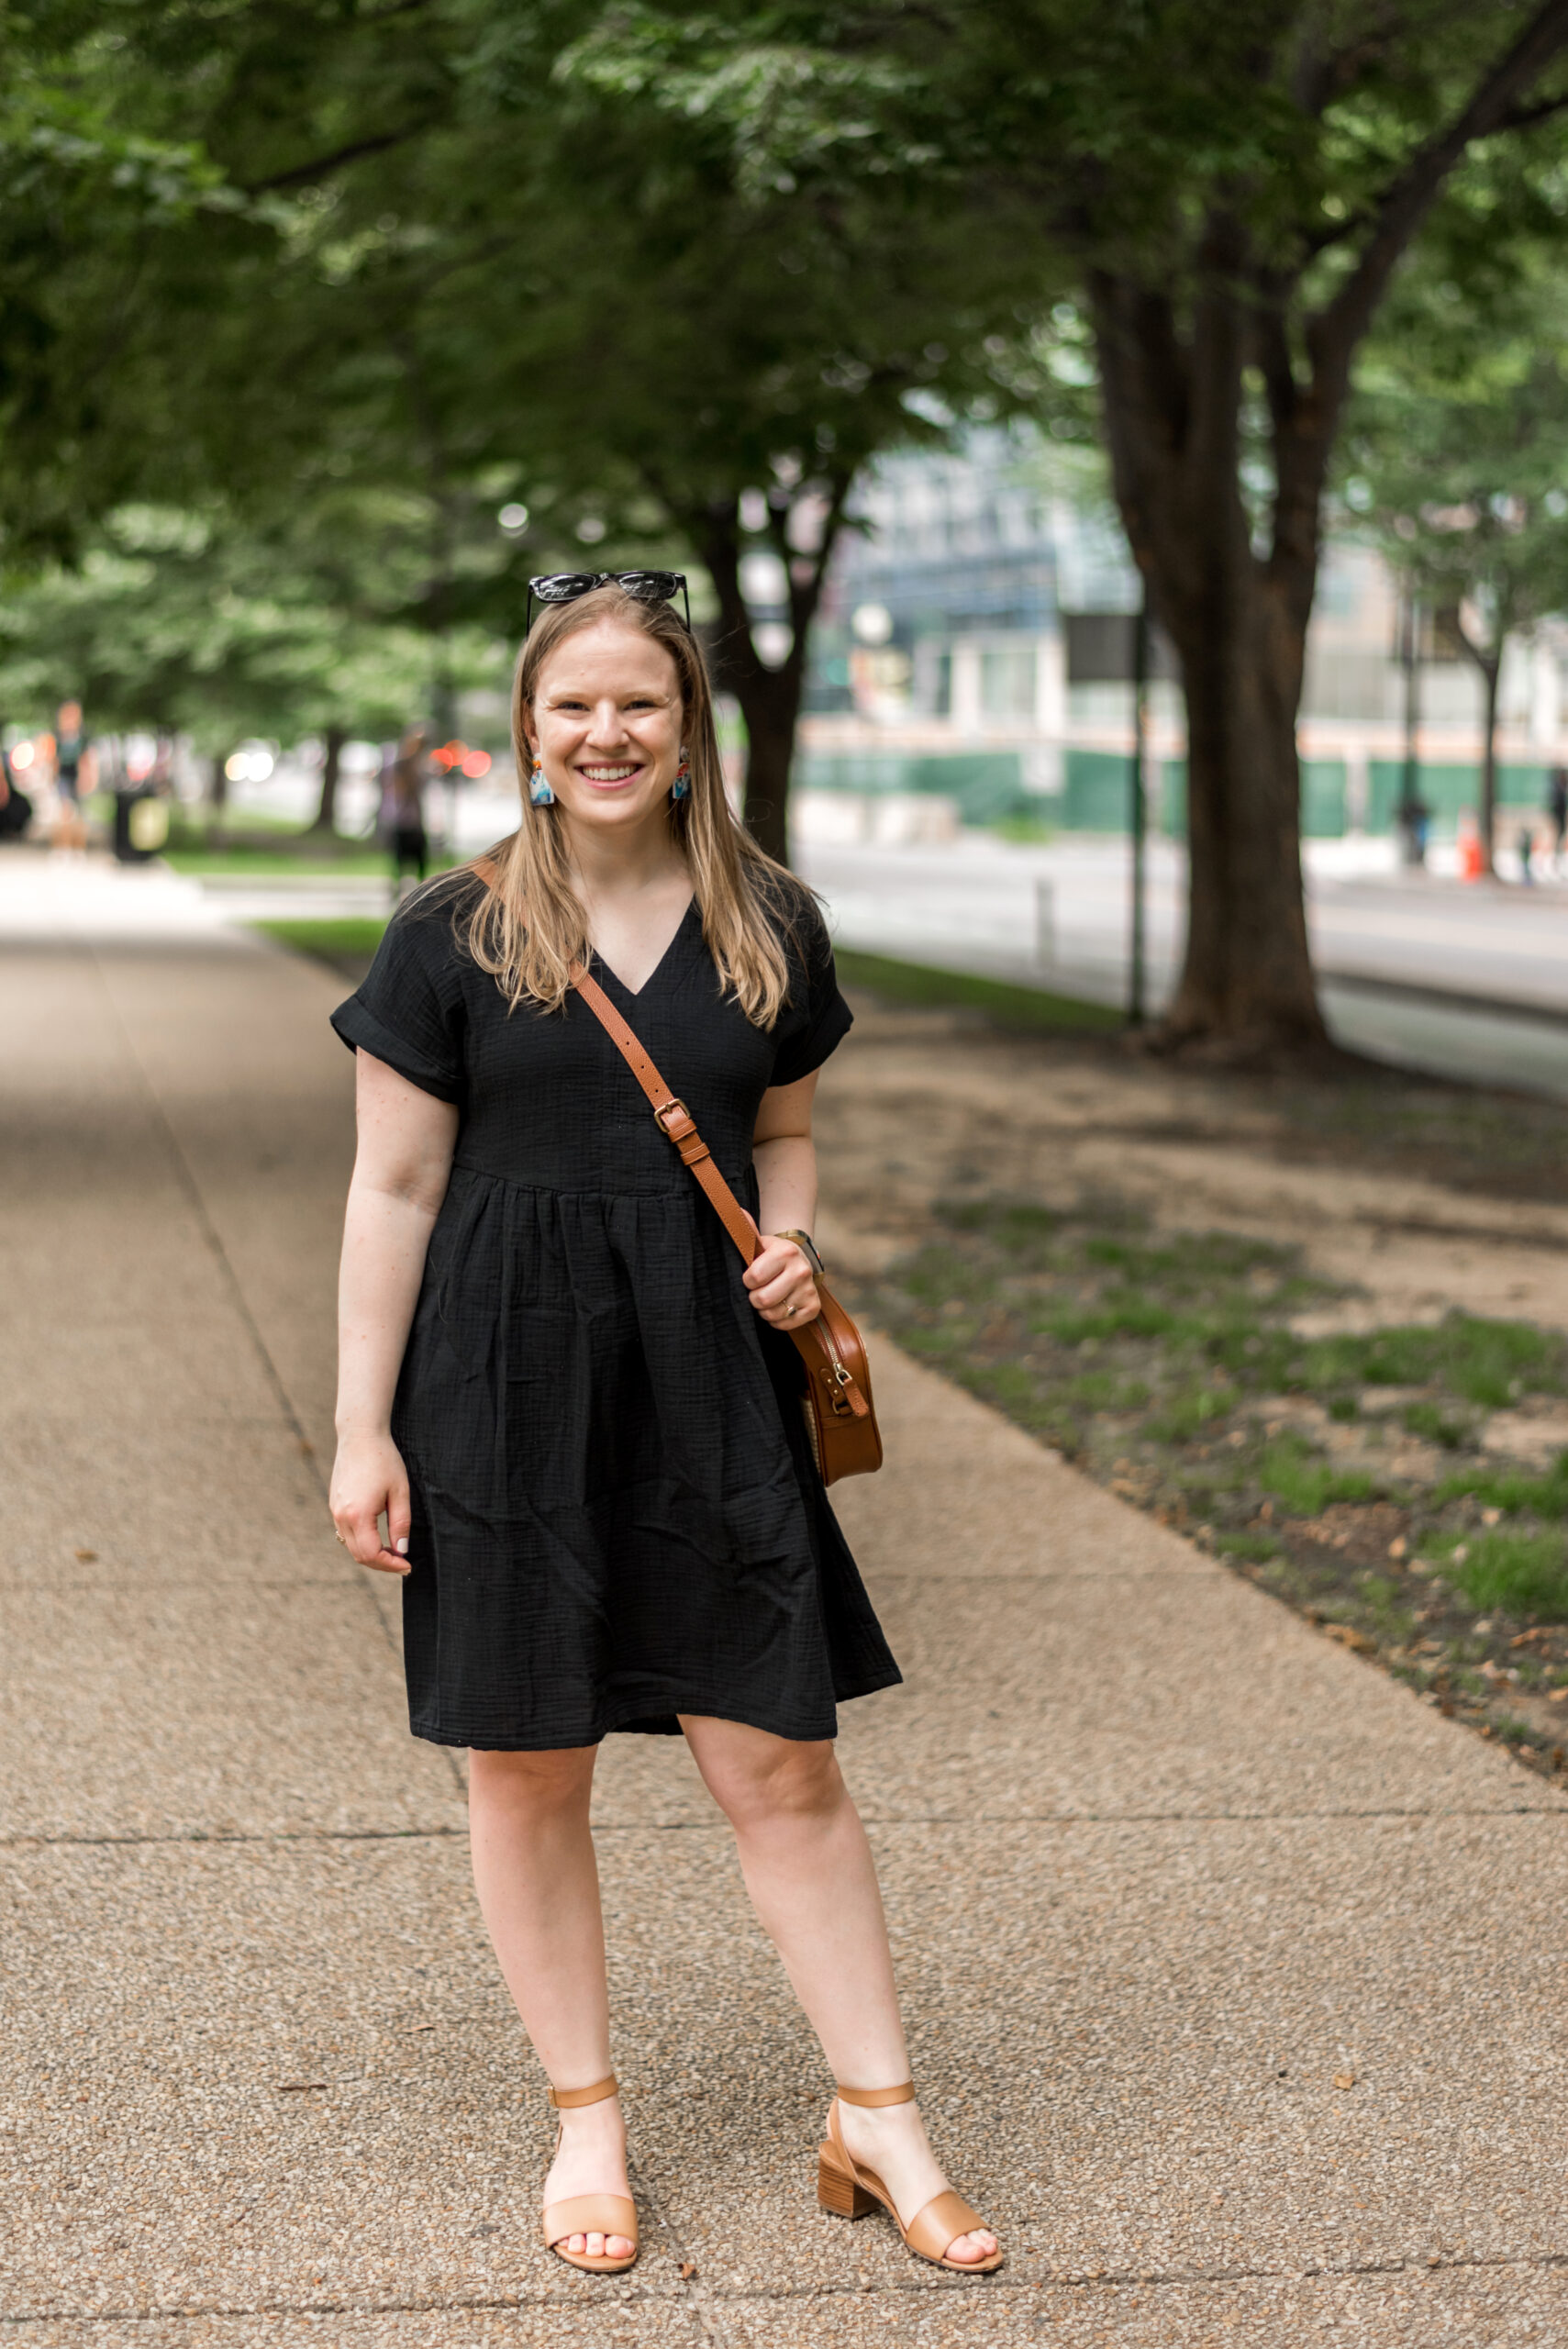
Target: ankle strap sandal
{"points": [[589, 2214], [850, 2192]]}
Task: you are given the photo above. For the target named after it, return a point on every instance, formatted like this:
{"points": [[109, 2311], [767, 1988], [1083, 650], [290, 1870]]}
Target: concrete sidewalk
{"points": [[1236, 1978]]}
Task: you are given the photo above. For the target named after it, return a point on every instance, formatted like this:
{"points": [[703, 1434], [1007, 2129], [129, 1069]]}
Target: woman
{"points": [[581, 1420]]}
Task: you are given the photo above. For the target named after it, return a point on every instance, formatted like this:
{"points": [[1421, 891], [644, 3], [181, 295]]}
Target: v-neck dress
{"points": [[616, 1514]]}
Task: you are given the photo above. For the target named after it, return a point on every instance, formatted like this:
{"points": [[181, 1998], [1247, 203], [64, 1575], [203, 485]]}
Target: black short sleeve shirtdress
{"points": [[616, 1514]]}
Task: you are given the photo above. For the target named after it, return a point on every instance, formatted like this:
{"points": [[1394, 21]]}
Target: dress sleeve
{"points": [[817, 1020], [410, 1011]]}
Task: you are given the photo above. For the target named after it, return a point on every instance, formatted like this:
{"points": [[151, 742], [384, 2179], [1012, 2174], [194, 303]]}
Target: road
{"points": [[1417, 968]]}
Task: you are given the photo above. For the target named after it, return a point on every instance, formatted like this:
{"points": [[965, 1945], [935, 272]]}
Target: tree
{"points": [[1456, 453], [182, 620], [496, 267], [1235, 184]]}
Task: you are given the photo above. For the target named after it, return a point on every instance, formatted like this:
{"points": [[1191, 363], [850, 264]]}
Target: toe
{"points": [[969, 2248], [618, 2247], [579, 2243], [596, 2246]]}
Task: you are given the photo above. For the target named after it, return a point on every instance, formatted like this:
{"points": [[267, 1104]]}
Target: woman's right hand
{"points": [[368, 1478]]}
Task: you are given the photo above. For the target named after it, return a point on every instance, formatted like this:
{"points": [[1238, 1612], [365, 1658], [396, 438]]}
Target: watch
{"points": [[807, 1247]]}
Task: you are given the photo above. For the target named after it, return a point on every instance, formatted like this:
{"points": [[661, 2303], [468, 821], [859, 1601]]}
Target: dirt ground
{"points": [[1315, 1325], [1420, 1196]]}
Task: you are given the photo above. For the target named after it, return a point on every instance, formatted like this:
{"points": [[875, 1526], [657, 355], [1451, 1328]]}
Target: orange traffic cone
{"points": [[1469, 848]]}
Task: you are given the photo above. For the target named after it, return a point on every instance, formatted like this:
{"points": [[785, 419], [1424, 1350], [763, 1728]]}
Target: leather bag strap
{"points": [[673, 1116], [671, 1113]]}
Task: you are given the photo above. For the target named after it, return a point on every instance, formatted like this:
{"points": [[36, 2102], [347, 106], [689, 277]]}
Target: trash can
{"points": [[141, 826]]}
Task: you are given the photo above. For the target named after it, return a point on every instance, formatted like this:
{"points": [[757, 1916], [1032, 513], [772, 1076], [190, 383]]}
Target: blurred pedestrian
{"points": [[406, 809], [1414, 819], [15, 808], [1526, 846], [1557, 809], [74, 775]]}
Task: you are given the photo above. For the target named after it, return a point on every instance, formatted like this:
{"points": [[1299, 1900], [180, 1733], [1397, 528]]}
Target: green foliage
{"points": [[197, 621]]}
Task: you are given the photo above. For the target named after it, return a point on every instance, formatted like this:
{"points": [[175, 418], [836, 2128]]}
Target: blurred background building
{"points": [[975, 650]]}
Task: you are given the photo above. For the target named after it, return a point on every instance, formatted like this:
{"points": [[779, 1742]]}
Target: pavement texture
{"points": [[1235, 1977]]}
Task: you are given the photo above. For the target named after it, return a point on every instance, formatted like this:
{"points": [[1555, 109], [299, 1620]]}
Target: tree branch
{"points": [[1334, 333], [1526, 118], [323, 164]]}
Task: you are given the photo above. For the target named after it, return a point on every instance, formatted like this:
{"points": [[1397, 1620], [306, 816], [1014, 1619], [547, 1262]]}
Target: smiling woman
{"points": [[578, 1416]]}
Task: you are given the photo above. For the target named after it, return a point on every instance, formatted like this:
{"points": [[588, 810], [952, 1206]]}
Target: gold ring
{"points": [[336, 1536]]}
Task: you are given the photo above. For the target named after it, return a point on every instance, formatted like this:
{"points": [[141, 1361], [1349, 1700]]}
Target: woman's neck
{"points": [[615, 864]]}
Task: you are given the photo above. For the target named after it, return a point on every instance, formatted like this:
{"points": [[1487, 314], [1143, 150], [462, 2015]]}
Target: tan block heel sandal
{"points": [[589, 2214], [852, 2192]]}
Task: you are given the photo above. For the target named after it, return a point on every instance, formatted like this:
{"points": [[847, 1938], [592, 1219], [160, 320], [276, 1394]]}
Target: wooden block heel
{"points": [[850, 2192], [839, 2193]]}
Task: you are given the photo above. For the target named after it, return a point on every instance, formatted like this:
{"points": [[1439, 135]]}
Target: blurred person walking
{"points": [[581, 1424], [1557, 810], [74, 776], [15, 808], [403, 812]]}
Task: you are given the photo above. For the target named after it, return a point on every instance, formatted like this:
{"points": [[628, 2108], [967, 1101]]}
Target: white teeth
{"points": [[608, 775]]}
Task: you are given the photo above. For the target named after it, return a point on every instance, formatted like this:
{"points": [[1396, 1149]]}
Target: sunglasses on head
{"points": [[648, 586]]}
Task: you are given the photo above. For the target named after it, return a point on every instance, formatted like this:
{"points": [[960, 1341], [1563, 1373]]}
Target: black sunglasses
{"points": [[648, 586]]}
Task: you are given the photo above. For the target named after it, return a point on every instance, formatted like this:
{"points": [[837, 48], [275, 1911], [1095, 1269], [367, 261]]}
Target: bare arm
{"points": [[785, 1159], [401, 1171]]}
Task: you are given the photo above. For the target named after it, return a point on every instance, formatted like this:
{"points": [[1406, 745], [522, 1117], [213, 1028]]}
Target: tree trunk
{"points": [[769, 703], [770, 698], [1246, 985], [333, 759], [1492, 672], [1239, 621]]}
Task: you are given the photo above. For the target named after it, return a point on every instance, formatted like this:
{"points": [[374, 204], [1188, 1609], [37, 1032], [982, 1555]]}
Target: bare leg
{"points": [[808, 1870], [539, 1890]]}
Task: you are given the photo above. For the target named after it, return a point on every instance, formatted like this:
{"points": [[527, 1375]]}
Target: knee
{"points": [[783, 1782], [559, 1780]]}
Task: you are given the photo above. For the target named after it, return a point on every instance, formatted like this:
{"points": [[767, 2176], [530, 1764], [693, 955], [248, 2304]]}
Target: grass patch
{"points": [[1292, 1474], [1510, 1490], [1489, 1364], [1009, 1007], [1431, 1422], [1146, 1359], [1523, 1573], [1023, 827], [351, 939]]}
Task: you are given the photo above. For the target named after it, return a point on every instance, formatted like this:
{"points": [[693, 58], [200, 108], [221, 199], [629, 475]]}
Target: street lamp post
{"points": [[1136, 1007]]}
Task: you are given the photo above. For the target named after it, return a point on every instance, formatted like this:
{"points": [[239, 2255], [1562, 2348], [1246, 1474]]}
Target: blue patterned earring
{"points": [[539, 791], [682, 785]]}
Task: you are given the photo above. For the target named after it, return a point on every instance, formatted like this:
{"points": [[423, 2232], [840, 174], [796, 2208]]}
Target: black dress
{"points": [[616, 1514]]}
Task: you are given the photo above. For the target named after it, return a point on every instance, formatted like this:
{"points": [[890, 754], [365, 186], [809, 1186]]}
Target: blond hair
{"points": [[530, 926]]}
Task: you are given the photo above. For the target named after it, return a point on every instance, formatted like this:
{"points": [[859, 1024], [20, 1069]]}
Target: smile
{"points": [[610, 774]]}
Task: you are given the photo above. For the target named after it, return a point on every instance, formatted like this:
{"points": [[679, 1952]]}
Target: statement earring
{"points": [[539, 791], [682, 785]]}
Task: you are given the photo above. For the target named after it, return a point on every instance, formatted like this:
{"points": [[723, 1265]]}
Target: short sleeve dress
{"points": [[616, 1514]]}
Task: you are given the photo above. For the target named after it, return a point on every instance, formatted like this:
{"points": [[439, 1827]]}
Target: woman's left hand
{"points": [[783, 1289]]}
